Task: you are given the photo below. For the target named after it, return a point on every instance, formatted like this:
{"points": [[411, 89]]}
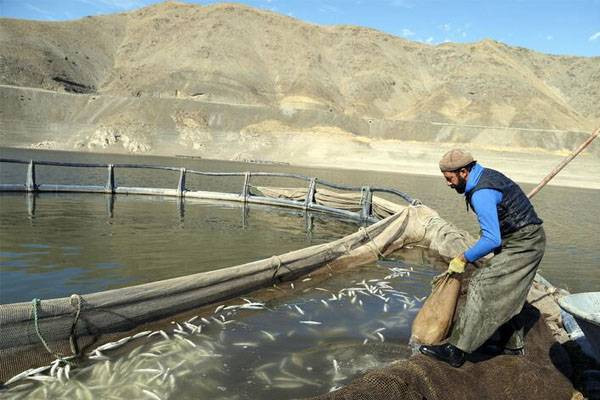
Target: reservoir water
{"points": [[310, 339]]}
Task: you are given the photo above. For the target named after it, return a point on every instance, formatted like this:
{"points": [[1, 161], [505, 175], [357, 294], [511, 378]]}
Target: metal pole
{"points": [[365, 201], [310, 194], [110, 180], [245, 190], [563, 163], [181, 186], [30, 184]]}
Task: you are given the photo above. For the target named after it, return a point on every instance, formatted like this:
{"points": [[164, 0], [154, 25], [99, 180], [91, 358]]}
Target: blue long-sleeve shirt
{"points": [[484, 202]]}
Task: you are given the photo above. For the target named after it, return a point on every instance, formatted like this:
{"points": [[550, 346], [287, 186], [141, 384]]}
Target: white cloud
{"points": [[445, 27], [595, 36], [429, 39], [407, 32], [549, 37]]}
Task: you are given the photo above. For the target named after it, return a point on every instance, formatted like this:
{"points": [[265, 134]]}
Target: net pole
{"points": [[563, 163]]}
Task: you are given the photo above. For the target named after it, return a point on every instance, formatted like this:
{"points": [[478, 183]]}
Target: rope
{"points": [[34, 311], [35, 303], [375, 249], [276, 268], [72, 336]]}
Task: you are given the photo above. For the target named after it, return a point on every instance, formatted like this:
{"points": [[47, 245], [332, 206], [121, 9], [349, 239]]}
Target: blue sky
{"points": [[566, 27]]}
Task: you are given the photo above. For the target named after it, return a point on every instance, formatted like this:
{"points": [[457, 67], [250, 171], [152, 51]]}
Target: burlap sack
{"points": [[433, 321]]}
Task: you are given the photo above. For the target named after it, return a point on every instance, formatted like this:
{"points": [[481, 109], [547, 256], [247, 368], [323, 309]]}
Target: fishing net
{"points": [[540, 374], [33, 334]]}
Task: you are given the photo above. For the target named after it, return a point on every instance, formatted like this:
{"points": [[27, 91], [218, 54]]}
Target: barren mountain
{"points": [[229, 81]]}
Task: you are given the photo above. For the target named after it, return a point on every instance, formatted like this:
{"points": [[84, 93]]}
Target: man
{"points": [[497, 292]]}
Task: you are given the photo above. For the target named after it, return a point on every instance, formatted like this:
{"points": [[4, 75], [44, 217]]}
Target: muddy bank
{"points": [[291, 134]]}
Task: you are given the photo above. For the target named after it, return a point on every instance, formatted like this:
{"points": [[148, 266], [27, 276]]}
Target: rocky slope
{"points": [[229, 81]]}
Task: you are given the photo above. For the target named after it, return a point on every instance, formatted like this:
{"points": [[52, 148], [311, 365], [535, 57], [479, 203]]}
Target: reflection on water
{"points": [[82, 243], [572, 221]]}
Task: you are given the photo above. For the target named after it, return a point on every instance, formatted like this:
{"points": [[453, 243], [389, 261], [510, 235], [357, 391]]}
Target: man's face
{"points": [[457, 180]]}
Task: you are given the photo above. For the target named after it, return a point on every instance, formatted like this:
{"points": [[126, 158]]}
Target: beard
{"points": [[461, 186]]}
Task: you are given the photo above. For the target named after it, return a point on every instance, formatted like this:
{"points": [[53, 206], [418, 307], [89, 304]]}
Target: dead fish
{"points": [[269, 335], [140, 334], [262, 375], [193, 328], [265, 366], [55, 365], [23, 374], [148, 370], [287, 385], [98, 356], [219, 308], [246, 344], [253, 306], [299, 309], [311, 322], [109, 346], [151, 394], [42, 378]]}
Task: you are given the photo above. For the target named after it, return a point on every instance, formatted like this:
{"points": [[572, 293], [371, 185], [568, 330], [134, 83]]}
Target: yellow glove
{"points": [[457, 266]]}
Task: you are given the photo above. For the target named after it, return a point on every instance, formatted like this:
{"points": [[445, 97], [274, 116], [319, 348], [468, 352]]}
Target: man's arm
{"points": [[484, 202]]}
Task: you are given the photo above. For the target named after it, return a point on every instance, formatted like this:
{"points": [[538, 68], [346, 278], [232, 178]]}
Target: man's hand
{"points": [[457, 265]]}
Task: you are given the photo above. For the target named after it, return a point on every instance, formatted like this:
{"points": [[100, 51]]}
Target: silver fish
{"points": [[151, 394], [269, 335], [140, 334]]}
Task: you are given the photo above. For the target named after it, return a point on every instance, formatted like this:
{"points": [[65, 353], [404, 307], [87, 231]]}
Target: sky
{"points": [[564, 27]]}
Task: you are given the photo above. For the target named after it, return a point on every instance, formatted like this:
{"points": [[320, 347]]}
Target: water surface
{"points": [[312, 338]]}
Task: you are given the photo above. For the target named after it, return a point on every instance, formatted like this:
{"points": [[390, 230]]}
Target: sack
{"points": [[433, 321]]}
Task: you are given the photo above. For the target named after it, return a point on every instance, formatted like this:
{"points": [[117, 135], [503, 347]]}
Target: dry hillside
{"points": [[229, 81]]}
